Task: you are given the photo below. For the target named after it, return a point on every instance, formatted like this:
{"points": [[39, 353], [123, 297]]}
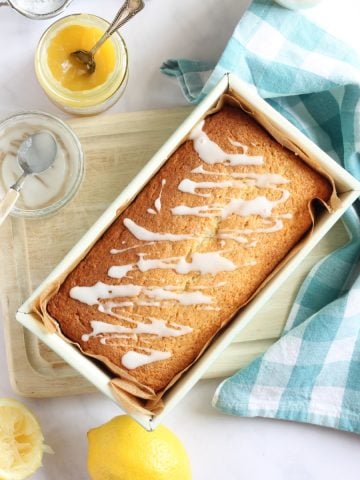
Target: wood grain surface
{"points": [[116, 147]]}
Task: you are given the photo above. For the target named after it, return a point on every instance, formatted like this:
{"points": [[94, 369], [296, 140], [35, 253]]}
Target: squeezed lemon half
{"points": [[21, 441]]}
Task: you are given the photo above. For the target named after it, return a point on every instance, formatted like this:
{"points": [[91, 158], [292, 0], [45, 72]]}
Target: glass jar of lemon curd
{"points": [[65, 81]]}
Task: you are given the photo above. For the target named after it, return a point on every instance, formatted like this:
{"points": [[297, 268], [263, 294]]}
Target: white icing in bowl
{"points": [[39, 9], [41, 194]]}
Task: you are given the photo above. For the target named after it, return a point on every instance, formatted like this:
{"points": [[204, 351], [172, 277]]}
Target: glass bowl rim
{"points": [[42, 212]]}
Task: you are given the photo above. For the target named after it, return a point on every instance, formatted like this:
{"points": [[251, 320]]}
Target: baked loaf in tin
{"points": [[192, 248]]}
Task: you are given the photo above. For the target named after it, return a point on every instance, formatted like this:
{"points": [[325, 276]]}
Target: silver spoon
{"points": [[127, 11], [35, 155]]}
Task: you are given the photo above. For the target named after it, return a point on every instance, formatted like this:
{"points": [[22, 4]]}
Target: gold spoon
{"points": [[127, 11]]}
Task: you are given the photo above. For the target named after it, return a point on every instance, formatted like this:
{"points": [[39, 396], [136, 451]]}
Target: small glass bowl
{"points": [[46, 193], [86, 102], [39, 9]]}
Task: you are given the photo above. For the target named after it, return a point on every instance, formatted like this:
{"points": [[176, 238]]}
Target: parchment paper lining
{"points": [[131, 395]]}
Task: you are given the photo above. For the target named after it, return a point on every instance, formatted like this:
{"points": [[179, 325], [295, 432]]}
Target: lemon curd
{"points": [[67, 70], [66, 82]]}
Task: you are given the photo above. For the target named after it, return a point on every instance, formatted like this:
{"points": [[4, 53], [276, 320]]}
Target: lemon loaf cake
{"points": [[189, 251]]}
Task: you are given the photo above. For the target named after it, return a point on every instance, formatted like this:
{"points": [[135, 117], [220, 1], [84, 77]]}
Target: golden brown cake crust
{"points": [[229, 290]]}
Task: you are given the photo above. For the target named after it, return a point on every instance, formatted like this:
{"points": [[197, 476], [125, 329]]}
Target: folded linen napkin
{"points": [[312, 374]]}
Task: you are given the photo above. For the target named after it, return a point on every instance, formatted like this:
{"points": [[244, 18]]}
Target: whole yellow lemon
{"points": [[122, 450]]}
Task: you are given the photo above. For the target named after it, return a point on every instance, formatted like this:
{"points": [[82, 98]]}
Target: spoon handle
{"points": [[127, 11], [7, 203]]}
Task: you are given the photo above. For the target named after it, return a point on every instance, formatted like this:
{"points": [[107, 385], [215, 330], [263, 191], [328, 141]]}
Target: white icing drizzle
{"points": [[91, 295], [115, 251], [189, 186], [211, 153], [185, 298], [120, 271], [155, 326], [237, 235], [132, 359], [108, 307], [251, 244], [276, 224], [157, 202], [110, 298], [206, 287], [235, 143], [260, 205], [210, 262], [142, 233], [262, 180]]}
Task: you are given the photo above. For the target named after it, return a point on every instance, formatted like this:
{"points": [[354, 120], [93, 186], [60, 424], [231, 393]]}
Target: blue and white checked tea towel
{"points": [[312, 374]]}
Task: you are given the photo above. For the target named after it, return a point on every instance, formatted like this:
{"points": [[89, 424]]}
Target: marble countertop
{"points": [[219, 446]]}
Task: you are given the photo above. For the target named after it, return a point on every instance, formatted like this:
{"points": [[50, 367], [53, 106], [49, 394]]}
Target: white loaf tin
{"points": [[348, 191]]}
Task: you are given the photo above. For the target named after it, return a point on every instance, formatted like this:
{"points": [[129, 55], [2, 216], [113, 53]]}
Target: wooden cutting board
{"points": [[116, 147]]}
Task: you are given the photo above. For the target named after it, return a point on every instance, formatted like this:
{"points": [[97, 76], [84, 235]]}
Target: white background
{"points": [[220, 447]]}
